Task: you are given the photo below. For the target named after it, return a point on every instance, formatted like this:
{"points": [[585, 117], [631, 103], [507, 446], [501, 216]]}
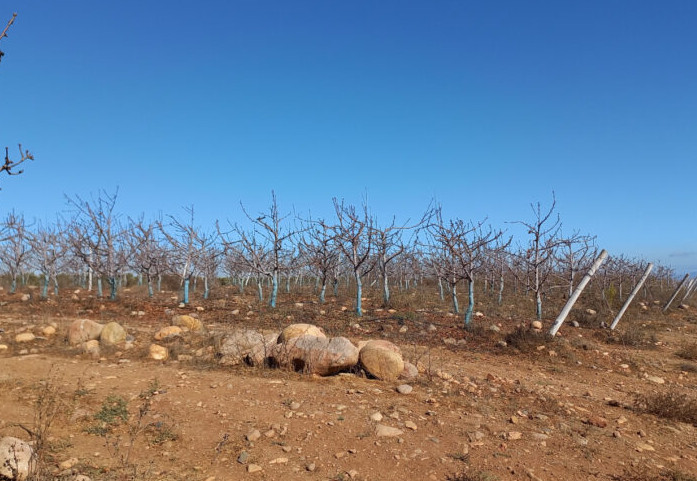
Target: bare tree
{"points": [[319, 248], [461, 247], [271, 230], [97, 238], [354, 236], [575, 253], [544, 240], [15, 246], [149, 256], [10, 166], [182, 237], [49, 249]]}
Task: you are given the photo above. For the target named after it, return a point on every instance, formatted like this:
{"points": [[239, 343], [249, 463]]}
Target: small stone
{"points": [[68, 464], [377, 417], [410, 425], [640, 447], [404, 389], [48, 331], [254, 468], [597, 421], [253, 435], [311, 467], [514, 435], [387, 431], [656, 379], [494, 328], [279, 461], [25, 337], [243, 457]]}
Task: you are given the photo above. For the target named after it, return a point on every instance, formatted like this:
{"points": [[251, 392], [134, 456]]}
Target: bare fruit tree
{"points": [[149, 255], [321, 253], [460, 248], [354, 235], [15, 246], [49, 249], [182, 237], [543, 242]]}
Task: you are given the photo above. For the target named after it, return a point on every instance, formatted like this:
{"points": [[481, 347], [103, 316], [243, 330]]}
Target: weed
{"points": [[688, 351], [632, 336], [460, 456], [688, 367], [642, 474], [476, 476], [525, 340], [669, 405]]}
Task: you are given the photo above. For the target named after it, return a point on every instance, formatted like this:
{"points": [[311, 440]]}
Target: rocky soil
{"points": [[498, 402]]}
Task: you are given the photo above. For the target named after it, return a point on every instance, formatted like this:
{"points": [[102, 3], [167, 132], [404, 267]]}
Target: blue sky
{"points": [[485, 107]]}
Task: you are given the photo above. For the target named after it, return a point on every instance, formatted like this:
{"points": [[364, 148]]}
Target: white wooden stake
{"points": [[675, 294], [577, 292], [635, 291]]}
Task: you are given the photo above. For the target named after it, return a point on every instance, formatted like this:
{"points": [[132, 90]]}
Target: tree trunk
{"points": [[359, 293], [470, 303]]}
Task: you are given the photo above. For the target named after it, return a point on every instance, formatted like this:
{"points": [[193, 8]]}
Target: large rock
{"points": [[380, 343], [84, 330], [91, 347], [25, 337], [168, 332], [157, 352], [246, 345], [190, 322], [113, 333], [381, 361], [297, 330], [317, 355], [16, 459]]}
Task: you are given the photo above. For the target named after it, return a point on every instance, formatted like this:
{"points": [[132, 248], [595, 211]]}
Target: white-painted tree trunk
{"points": [[635, 291], [577, 293]]}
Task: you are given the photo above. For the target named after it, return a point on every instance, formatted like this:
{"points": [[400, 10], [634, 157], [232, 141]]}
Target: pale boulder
{"points": [[112, 333], [247, 345], [25, 337], [83, 330], [157, 352], [16, 459], [297, 330], [410, 371], [381, 344], [48, 331], [316, 355], [91, 347], [381, 361], [190, 322], [168, 332]]}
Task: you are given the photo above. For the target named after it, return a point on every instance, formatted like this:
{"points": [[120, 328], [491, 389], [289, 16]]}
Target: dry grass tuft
{"points": [[526, 340], [688, 351], [643, 474], [669, 405]]}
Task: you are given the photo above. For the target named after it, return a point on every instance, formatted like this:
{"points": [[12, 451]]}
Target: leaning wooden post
{"points": [[675, 294], [577, 292], [631, 296]]}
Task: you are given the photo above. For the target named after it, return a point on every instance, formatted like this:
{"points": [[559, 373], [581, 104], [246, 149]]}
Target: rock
{"points": [[91, 347], [168, 332], [478, 314], [297, 330], [381, 362], [376, 417], [597, 421], [316, 355], [191, 323], [84, 330], [575, 324], [591, 312], [536, 325], [68, 464], [157, 352], [656, 379], [4, 347], [410, 425], [404, 389], [494, 328], [48, 331], [16, 459], [410, 372], [387, 431], [253, 435], [243, 457], [380, 343], [244, 343], [254, 468], [112, 333], [25, 337], [25, 297]]}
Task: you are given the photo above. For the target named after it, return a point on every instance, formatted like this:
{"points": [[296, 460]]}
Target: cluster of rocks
{"points": [[89, 335], [305, 348]]}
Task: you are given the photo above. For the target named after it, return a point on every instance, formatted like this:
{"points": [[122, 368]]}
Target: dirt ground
{"points": [[537, 408]]}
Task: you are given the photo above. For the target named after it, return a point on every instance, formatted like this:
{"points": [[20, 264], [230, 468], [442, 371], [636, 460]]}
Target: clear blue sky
{"points": [[485, 107]]}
